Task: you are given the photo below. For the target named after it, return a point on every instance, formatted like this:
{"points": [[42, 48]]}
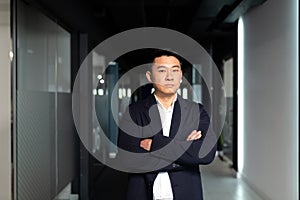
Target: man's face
{"points": [[166, 75]]}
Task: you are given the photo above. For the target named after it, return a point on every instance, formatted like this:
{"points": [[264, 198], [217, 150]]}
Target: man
{"points": [[174, 140]]}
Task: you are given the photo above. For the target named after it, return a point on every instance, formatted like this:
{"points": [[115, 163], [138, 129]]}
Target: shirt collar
{"points": [[161, 105]]}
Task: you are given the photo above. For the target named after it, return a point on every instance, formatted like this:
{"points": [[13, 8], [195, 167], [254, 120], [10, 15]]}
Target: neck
{"points": [[165, 99]]}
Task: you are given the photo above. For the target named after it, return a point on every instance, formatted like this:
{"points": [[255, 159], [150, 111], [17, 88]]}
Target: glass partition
{"points": [[45, 134]]}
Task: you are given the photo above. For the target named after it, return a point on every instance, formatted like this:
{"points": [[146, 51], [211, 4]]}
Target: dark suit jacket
{"points": [[181, 159]]}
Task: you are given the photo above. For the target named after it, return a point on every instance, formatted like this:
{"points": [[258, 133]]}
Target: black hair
{"points": [[163, 52], [146, 56]]}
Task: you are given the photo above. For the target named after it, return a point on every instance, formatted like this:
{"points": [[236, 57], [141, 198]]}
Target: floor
{"points": [[219, 183]]}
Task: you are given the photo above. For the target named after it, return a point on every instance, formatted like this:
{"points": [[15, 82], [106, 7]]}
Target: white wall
{"points": [[271, 99], [5, 164]]}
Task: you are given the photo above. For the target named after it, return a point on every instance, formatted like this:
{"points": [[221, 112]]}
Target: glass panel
{"points": [[44, 143], [63, 60], [34, 160], [43, 53], [226, 136]]}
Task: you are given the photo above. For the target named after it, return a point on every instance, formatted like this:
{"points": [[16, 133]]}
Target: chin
{"points": [[169, 92], [166, 91]]}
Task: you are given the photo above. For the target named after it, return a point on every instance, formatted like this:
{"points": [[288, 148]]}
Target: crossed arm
{"points": [[194, 135], [185, 152]]}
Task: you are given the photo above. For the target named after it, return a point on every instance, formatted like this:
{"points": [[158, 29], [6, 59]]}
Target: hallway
{"points": [[62, 98], [219, 182]]}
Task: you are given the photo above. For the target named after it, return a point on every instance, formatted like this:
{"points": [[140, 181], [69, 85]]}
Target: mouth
{"points": [[169, 85]]}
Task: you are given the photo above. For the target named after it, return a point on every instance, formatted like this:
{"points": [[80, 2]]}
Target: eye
{"points": [[175, 70], [161, 70]]}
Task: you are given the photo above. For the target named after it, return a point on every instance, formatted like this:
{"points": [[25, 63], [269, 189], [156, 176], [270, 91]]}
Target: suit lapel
{"points": [[175, 120], [179, 115], [152, 116]]}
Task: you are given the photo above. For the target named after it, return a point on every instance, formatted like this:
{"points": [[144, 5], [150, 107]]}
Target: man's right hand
{"points": [[146, 144]]}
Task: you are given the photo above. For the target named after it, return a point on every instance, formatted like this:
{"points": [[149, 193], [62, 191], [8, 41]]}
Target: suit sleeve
{"points": [[129, 142], [189, 153], [128, 133]]}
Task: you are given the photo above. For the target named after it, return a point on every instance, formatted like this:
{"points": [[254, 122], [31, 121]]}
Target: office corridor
{"points": [[219, 183], [67, 75]]}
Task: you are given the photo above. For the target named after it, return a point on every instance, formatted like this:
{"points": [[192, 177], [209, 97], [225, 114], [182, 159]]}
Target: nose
{"points": [[169, 75]]}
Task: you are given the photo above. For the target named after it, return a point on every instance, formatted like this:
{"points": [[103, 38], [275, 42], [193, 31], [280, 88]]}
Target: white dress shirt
{"points": [[162, 189]]}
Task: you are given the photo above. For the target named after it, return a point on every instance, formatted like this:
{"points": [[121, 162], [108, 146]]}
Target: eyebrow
{"points": [[162, 66]]}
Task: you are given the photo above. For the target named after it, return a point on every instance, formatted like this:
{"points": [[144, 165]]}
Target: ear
{"points": [[181, 77], [148, 76]]}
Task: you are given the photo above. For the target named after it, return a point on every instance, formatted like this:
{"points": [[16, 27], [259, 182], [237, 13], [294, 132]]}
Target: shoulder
{"points": [[189, 103], [194, 108], [143, 104]]}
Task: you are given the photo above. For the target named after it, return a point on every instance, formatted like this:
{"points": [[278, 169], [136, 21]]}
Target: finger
{"points": [[194, 136], [199, 135], [191, 135], [146, 144], [143, 144]]}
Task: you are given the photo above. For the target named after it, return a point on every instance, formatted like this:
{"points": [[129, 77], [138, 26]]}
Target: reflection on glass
{"points": [[43, 84]]}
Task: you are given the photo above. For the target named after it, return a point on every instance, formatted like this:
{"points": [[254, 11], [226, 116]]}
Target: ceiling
{"points": [[212, 23], [196, 18]]}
